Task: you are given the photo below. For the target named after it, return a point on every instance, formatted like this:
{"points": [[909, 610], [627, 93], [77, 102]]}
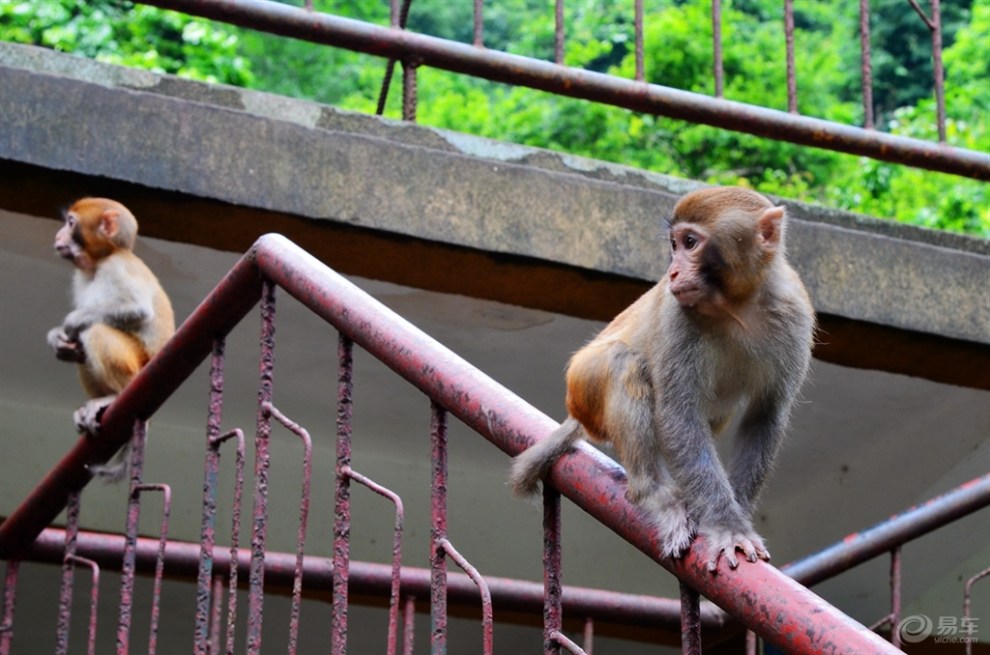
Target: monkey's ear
{"points": [[771, 226], [109, 224]]}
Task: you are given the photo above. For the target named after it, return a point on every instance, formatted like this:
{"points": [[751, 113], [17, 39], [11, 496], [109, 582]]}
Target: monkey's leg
{"points": [[629, 410], [725, 526], [112, 359]]}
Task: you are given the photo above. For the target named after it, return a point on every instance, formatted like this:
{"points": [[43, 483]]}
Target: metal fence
{"points": [[759, 596], [414, 50]]}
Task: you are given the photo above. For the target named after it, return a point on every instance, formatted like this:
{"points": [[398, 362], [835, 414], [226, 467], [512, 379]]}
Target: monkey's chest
{"points": [[735, 375]]}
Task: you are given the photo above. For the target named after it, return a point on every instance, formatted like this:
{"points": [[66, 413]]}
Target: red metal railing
{"points": [[416, 50], [757, 594]]}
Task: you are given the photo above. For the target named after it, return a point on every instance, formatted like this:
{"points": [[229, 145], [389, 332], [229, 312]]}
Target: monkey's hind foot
{"points": [[725, 541], [674, 525], [87, 418]]}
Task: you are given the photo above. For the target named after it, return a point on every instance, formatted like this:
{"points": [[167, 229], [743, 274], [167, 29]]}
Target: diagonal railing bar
{"points": [[654, 99], [756, 593]]}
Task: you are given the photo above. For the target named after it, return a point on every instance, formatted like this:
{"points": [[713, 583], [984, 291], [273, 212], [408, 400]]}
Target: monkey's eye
{"points": [[690, 241], [673, 244]]}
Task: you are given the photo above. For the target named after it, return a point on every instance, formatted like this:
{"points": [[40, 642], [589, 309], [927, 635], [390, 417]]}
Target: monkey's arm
{"points": [[757, 443], [689, 450]]}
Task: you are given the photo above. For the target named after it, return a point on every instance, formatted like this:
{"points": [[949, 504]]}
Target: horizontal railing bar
{"points": [[373, 579], [503, 67], [862, 546]]}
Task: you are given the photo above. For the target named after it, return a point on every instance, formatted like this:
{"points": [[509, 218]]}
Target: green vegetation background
{"points": [[678, 53]]}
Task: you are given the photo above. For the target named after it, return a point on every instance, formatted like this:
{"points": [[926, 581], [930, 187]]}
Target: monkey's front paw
{"points": [[726, 541], [87, 418], [66, 349]]}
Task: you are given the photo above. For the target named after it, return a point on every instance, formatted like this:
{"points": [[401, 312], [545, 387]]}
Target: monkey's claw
{"points": [[87, 418], [721, 541]]}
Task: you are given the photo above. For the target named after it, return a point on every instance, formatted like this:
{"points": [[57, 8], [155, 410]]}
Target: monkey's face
{"points": [[70, 242], [688, 272]]}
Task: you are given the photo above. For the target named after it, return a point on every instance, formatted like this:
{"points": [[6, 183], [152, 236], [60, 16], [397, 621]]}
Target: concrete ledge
{"points": [[238, 162]]}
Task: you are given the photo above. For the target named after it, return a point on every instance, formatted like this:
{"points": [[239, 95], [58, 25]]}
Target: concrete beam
{"points": [[218, 166]]}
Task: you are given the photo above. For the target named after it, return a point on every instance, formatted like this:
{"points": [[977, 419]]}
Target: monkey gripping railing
{"points": [[770, 603]]}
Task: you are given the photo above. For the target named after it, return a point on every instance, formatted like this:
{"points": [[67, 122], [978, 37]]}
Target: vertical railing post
{"points": [[9, 602], [553, 619], [68, 572], [262, 463], [934, 25], [939, 73], [866, 63], [408, 626], [235, 536], [94, 599], [690, 621], [969, 624], [638, 38], [409, 93], [717, 70], [156, 598], [342, 497], [307, 478], [214, 640], [479, 24], [127, 569], [207, 533], [589, 636], [895, 596], [789, 46], [438, 530]]}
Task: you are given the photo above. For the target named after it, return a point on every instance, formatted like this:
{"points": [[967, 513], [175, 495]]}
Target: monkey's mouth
{"points": [[688, 296], [64, 251]]}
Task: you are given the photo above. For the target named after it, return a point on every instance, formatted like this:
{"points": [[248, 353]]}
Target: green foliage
{"points": [[120, 32], [599, 37]]}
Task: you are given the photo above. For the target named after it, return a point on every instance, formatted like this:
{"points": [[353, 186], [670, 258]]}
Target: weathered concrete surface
{"points": [[217, 166]]}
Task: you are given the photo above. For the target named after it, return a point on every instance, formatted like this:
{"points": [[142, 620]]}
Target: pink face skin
{"points": [[68, 248], [685, 282]]}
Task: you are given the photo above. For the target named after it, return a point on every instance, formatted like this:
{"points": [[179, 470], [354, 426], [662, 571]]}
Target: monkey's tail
{"points": [[532, 465], [117, 469]]}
